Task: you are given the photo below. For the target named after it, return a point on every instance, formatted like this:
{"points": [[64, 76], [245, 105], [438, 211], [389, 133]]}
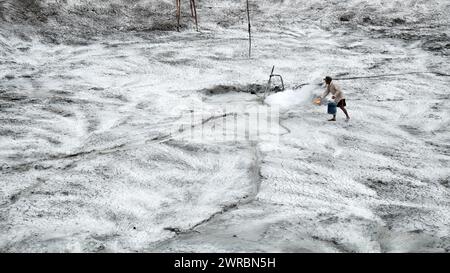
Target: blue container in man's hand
{"points": [[332, 106]]}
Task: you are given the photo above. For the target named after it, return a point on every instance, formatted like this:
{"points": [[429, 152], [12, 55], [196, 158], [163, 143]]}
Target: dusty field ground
{"points": [[93, 158]]}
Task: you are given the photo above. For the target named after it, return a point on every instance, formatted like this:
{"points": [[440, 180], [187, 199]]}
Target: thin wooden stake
{"points": [[192, 9], [249, 31], [178, 3], [195, 13]]}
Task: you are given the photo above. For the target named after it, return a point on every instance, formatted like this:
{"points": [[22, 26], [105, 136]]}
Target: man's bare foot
{"points": [[347, 119], [333, 119]]}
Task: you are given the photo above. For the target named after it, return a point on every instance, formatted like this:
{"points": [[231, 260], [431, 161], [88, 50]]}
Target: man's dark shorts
{"points": [[341, 103]]}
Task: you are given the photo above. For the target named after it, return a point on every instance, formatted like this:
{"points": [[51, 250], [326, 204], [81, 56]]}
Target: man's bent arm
{"points": [[327, 91]]}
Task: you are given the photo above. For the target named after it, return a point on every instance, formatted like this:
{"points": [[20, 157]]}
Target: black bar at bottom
{"points": [[217, 262]]}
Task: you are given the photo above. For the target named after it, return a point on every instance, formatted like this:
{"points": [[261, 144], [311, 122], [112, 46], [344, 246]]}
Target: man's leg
{"points": [[345, 111], [333, 119]]}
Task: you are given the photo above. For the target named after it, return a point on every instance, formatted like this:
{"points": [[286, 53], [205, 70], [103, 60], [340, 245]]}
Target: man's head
{"points": [[328, 79]]}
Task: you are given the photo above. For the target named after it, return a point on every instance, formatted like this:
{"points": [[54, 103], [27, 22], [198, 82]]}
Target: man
{"points": [[338, 96]]}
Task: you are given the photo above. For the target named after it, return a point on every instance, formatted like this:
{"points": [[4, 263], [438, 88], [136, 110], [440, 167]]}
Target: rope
{"points": [[376, 76]]}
